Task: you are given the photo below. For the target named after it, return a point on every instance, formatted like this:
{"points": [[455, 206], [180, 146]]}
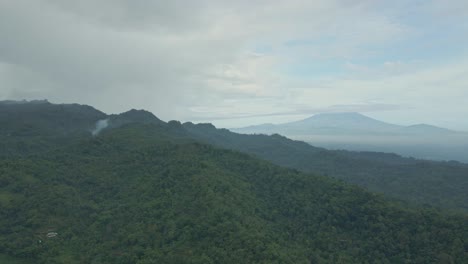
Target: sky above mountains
{"points": [[236, 63]]}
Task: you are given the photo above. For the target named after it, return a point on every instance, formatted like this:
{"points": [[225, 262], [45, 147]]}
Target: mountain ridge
{"points": [[335, 120]]}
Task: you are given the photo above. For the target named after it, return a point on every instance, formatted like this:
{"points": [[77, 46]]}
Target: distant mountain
{"points": [[354, 131], [341, 121], [428, 129]]}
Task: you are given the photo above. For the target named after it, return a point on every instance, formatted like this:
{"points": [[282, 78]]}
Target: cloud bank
{"points": [[237, 62]]}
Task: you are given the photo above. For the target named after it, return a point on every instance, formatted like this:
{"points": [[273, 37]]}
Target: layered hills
{"points": [[146, 191], [354, 131]]}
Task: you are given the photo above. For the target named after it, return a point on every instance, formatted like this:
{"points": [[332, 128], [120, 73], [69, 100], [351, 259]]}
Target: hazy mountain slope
{"points": [[343, 123], [427, 129], [441, 184], [340, 123], [146, 194], [354, 131]]}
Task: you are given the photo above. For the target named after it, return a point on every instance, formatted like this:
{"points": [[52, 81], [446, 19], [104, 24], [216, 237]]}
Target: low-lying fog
{"points": [[429, 147]]}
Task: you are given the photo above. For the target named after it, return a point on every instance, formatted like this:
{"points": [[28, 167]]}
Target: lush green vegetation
{"points": [[28, 128], [32, 128], [12, 260], [421, 182], [145, 191], [147, 194]]}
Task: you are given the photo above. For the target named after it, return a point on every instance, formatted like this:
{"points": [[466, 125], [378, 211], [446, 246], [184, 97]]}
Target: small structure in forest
{"points": [[51, 234]]}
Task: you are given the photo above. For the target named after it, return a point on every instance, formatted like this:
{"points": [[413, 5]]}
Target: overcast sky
{"points": [[236, 63]]}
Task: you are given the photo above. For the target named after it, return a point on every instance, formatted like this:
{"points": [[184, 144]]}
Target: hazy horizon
{"points": [[301, 118], [289, 119], [242, 63]]}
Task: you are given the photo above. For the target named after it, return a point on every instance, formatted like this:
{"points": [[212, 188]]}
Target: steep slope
{"points": [[146, 194], [440, 184]]}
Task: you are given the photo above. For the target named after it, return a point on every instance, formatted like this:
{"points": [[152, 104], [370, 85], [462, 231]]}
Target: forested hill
{"points": [[28, 128], [431, 183], [32, 127], [36, 126], [147, 193], [44, 118]]}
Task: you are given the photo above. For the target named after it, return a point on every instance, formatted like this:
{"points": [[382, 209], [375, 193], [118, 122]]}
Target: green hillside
{"points": [[37, 127], [147, 194], [421, 182]]}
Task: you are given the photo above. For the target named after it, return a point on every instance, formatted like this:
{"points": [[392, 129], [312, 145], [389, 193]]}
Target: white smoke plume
{"points": [[100, 125]]}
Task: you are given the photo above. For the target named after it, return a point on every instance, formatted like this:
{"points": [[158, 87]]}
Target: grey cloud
{"points": [[171, 57], [87, 62], [170, 16]]}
